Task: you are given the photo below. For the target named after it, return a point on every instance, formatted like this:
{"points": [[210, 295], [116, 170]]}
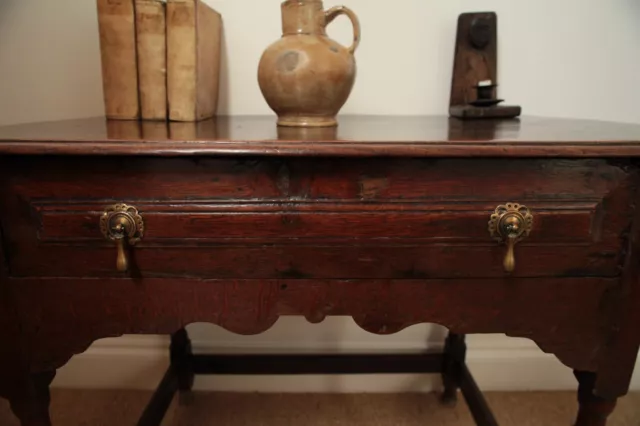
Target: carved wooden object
{"points": [[385, 220], [476, 62]]}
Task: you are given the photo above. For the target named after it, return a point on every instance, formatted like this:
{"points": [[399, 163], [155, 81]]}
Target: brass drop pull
{"points": [[124, 225], [510, 259], [510, 224]]}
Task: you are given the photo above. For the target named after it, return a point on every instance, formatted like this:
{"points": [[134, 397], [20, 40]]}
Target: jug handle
{"points": [[334, 12]]}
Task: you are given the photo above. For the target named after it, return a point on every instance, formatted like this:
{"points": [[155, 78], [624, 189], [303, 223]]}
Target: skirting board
{"points": [[139, 363]]}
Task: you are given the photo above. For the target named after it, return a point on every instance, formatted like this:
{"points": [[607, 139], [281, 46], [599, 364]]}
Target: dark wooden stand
{"points": [[389, 221], [451, 364], [476, 60]]}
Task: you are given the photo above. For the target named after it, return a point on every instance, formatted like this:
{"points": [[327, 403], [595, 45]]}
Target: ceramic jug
{"points": [[305, 76]]}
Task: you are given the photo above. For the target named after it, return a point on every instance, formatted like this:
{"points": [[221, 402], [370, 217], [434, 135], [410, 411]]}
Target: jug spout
{"points": [[303, 17]]}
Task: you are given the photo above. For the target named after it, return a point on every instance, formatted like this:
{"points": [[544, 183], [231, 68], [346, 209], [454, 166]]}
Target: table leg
{"points": [[182, 363], [181, 359], [30, 398], [594, 410], [455, 351]]}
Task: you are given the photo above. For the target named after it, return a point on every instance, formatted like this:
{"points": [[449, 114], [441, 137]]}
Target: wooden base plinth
{"points": [[470, 112], [306, 121]]}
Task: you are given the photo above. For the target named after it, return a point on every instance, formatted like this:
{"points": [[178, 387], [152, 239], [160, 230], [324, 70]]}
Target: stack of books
{"points": [[160, 59]]}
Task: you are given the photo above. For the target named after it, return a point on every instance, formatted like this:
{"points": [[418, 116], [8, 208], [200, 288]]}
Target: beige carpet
{"points": [[122, 408]]}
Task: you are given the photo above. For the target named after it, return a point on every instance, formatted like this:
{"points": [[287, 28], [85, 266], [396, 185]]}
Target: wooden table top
{"points": [[366, 136]]}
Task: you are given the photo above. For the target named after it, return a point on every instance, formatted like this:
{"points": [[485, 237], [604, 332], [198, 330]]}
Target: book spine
{"points": [[209, 35], [116, 23], [182, 59], [152, 58]]}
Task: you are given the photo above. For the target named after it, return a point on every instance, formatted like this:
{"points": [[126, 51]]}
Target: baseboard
{"points": [[139, 363]]}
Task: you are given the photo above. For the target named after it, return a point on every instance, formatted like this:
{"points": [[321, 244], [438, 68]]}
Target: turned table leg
{"points": [[454, 357], [30, 399], [181, 359], [182, 362], [594, 410]]}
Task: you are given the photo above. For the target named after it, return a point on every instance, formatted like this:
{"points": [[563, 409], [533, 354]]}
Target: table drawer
{"points": [[318, 218]]}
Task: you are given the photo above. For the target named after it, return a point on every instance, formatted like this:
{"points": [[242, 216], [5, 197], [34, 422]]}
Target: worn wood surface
{"points": [[98, 308], [618, 357], [363, 136], [240, 240], [297, 218]]}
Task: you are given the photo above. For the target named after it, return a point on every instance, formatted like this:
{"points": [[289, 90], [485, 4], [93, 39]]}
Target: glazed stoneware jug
{"points": [[305, 76]]}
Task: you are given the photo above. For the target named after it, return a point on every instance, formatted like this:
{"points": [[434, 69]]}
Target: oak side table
{"points": [[527, 227]]}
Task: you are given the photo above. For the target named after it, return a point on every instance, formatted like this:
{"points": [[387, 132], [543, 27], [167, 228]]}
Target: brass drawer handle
{"points": [[510, 224], [124, 225]]}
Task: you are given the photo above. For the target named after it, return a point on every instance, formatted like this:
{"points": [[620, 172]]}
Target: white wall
{"points": [[565, 58], [573, 58]]}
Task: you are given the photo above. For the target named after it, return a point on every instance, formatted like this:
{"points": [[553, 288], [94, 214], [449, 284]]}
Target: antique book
{"points": [[116, 23], [151, 31], [193, 59]]}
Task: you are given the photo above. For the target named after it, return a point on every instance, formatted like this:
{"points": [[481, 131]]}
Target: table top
{"points": [[366, 136]]}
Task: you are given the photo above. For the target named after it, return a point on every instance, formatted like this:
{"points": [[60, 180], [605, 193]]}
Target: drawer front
{"points": [[314, 218]]}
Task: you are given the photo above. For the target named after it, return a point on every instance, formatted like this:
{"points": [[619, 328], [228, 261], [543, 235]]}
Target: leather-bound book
{"points": [[151, 28], [116, 23], [193, 60]]}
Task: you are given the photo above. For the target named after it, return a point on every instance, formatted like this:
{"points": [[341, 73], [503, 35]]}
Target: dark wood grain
{"points": [[556, 223], [412, 261], [433, 181], [228, 218], [518, 307], [619, 356], [288, 223], [363, 136]]}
